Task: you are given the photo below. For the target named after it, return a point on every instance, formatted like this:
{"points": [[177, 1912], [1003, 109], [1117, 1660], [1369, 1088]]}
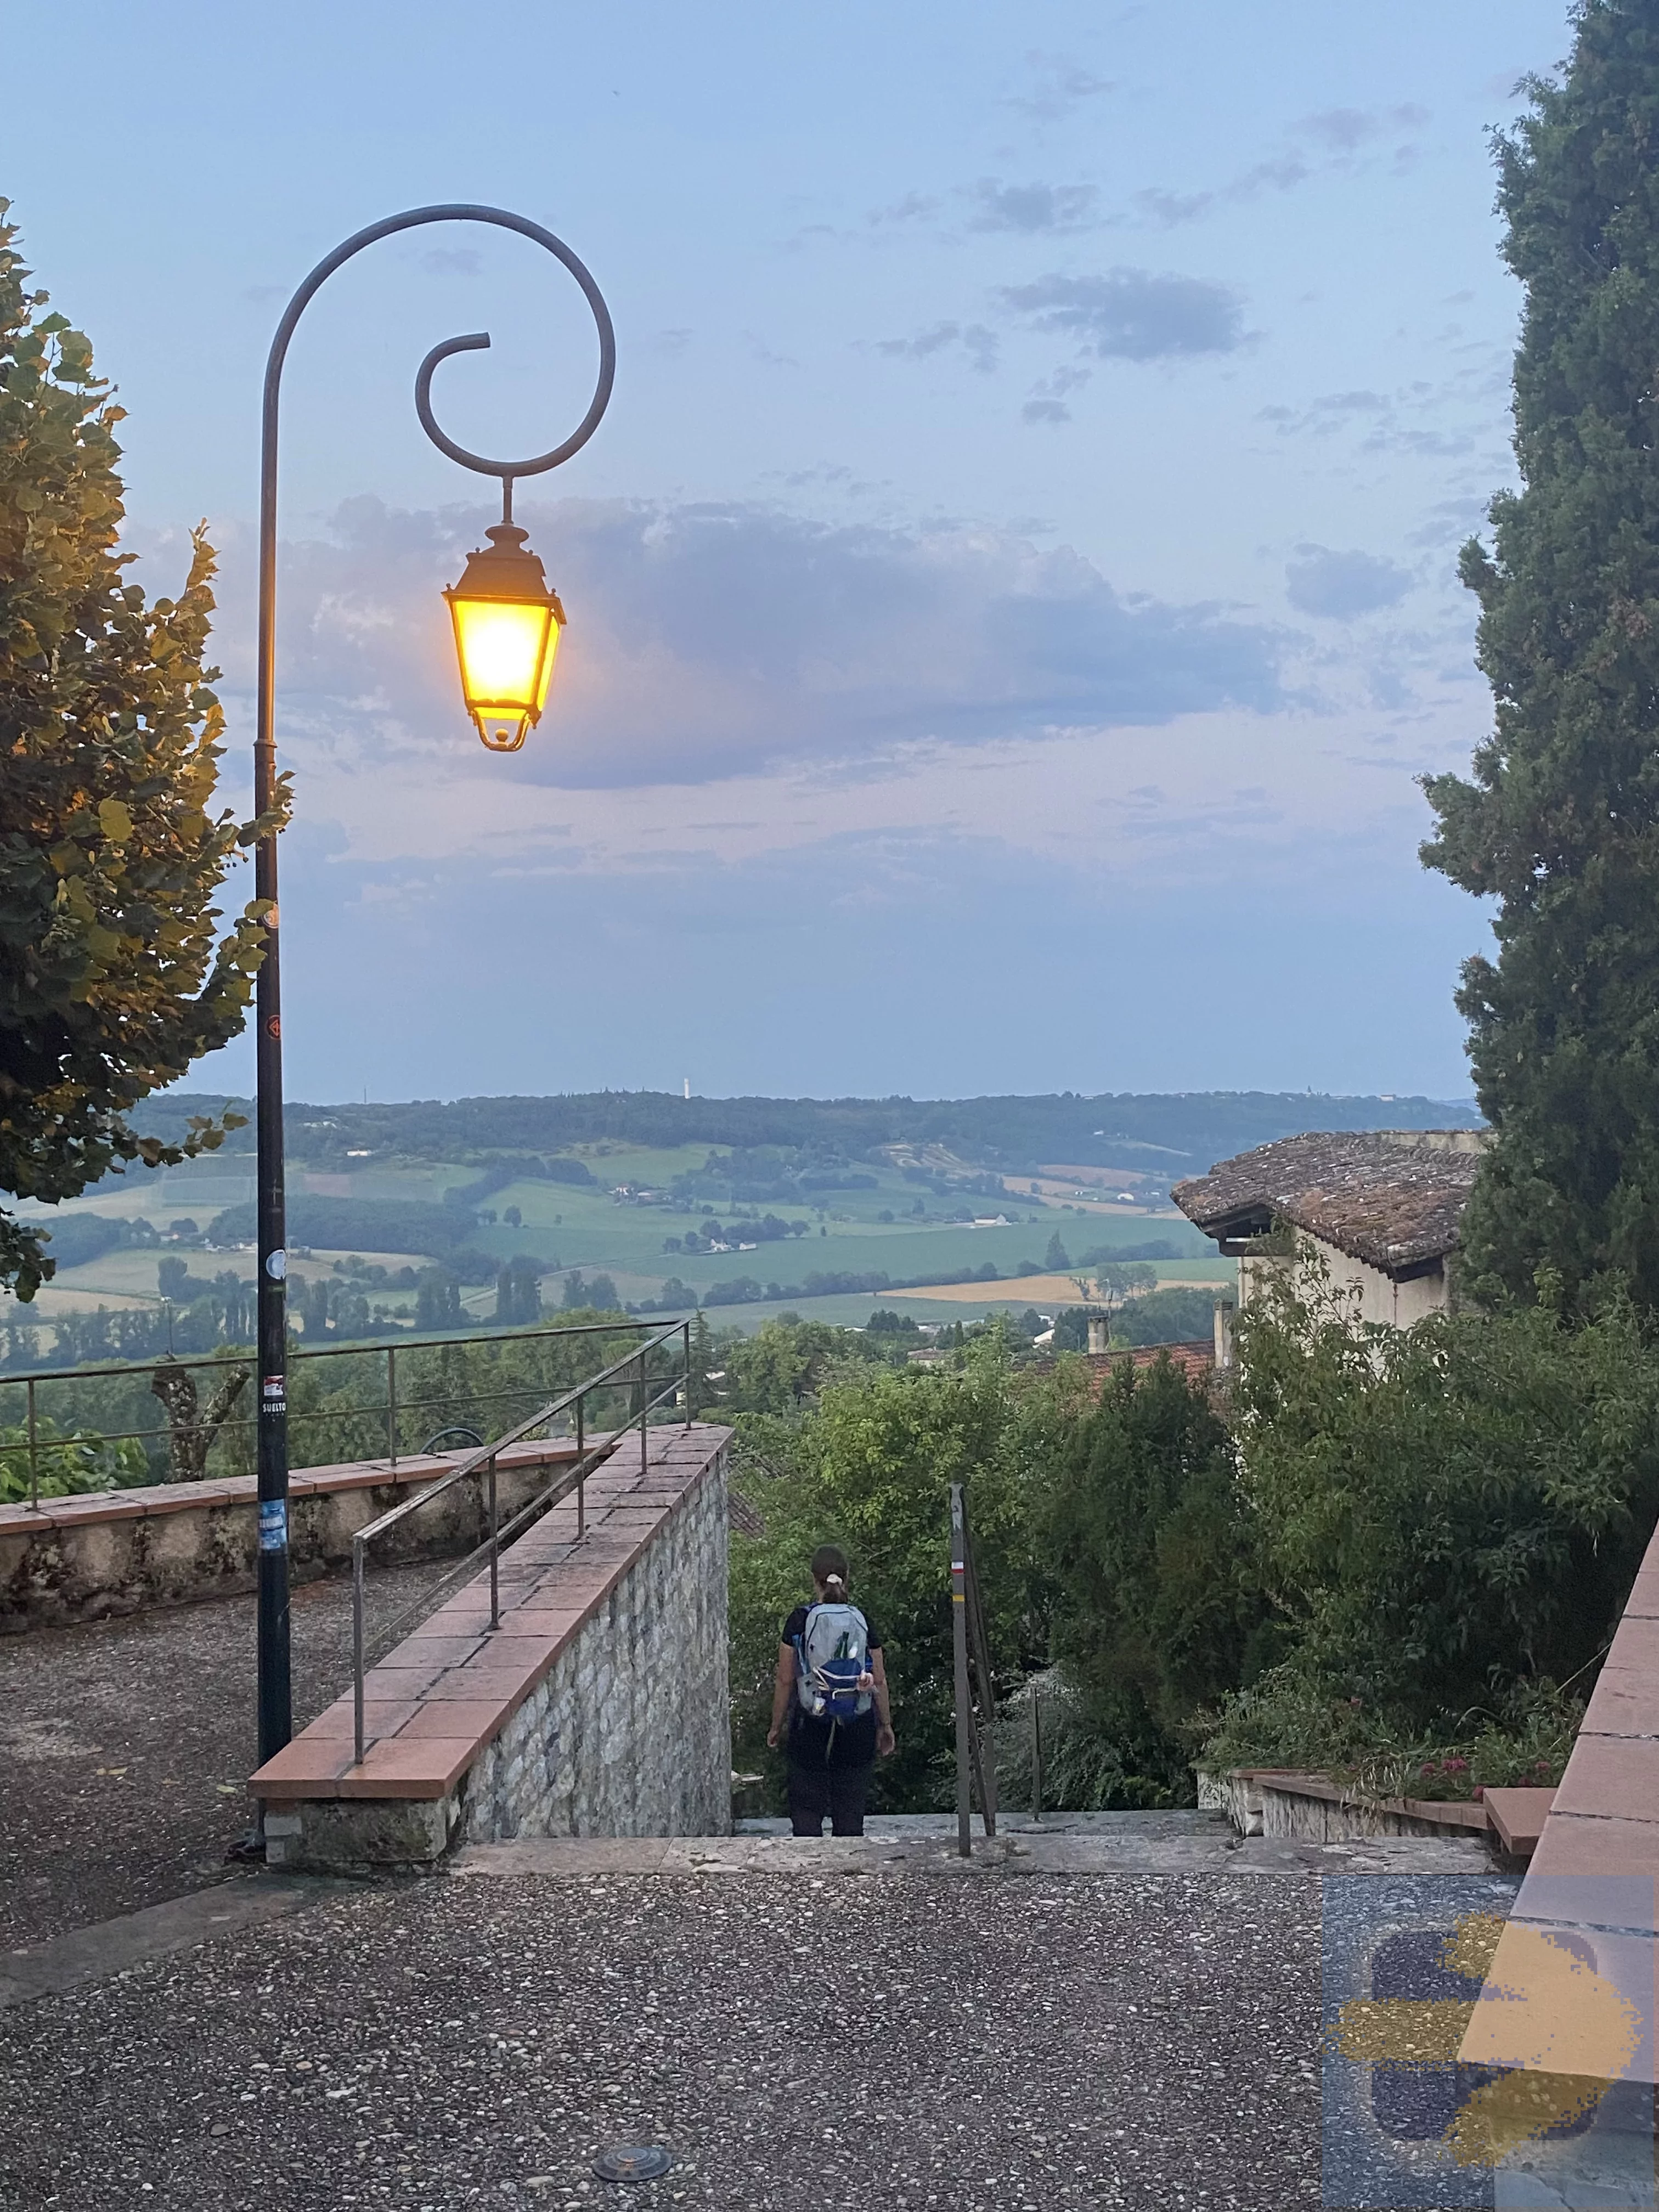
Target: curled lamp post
{"points": [[507, 627]]}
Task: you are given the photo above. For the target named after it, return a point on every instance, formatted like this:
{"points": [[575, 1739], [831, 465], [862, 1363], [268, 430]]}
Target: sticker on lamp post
{"points": [[273, 1524], [273, 1394], [276, 1264]]}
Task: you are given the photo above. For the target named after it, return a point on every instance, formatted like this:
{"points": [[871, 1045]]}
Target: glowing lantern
{"points": [[507, 636]]}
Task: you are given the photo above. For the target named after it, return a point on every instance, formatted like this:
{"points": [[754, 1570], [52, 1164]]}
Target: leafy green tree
{"points": [[1145, 1532], [1559, 822], [1054, 1258], [437, 1303], [872, 1470], [781, 1366], [112, 977], [1444, 1512], [517, 1294]]}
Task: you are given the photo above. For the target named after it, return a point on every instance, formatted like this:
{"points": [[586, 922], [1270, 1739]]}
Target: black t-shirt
{"points": [[814, 1742]]}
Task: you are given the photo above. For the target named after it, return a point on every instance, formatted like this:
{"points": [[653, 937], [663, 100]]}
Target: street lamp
{"points": [[507, 633], [506, 636]]}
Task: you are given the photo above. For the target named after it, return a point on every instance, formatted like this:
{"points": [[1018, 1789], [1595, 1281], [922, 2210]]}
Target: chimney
{"points": [[1098, 1337], [1223, 1333]]}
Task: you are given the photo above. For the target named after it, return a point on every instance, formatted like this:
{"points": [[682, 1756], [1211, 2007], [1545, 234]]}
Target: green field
{"points": [[569, 1227]]}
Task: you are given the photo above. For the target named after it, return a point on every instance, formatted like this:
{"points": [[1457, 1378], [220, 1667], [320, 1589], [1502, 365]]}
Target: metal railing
{"points": [[975, 1747], [397, 1410], [589, 1452]]}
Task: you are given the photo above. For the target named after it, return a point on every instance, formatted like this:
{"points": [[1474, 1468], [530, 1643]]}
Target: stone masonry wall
{"points": [[629, 1734], [117, 1551]]}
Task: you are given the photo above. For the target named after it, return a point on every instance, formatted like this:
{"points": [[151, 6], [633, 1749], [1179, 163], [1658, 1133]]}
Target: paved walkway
{"points": [[124, 1749], [1121, 2010], [800, 2040]]}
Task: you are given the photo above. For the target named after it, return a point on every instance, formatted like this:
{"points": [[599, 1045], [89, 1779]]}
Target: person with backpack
{"points": [[829, 1698]]}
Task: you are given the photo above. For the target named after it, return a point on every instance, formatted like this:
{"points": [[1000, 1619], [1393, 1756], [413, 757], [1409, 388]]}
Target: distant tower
{"points": [[688, 1086]]}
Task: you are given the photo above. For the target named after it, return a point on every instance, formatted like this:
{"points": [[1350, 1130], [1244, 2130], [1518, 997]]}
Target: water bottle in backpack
{"points": [[832, 1663]]}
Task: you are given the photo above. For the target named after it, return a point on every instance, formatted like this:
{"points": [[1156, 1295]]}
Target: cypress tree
{"points": [[1559, 821]]}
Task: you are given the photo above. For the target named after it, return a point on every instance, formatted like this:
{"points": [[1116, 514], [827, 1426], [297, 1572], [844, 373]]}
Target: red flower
{"points": [[1429, 1766], [1479, 1791]]}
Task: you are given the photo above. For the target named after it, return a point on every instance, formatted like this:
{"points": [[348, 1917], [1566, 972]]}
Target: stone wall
{"points": [[630, 1732], [80, 1558], [599, 1706]]}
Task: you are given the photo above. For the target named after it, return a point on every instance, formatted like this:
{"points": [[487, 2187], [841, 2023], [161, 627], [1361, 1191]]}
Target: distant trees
{"points": [[1559, 820], [437, 1301], [1056, 1259], [519, 1295], [112, 977]]}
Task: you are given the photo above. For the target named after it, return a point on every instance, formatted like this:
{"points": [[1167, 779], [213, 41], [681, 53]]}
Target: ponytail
{"points": [[830, 1572]]}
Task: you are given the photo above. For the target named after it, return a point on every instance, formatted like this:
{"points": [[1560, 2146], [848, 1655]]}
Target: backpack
{"points": [[832, 1652]]}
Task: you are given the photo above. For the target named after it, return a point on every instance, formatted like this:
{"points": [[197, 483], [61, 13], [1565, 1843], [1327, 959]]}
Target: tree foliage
{"points": [[872, 1470], [1559, 821], [1441, 1513], [113, 976], [1145, 1533]]}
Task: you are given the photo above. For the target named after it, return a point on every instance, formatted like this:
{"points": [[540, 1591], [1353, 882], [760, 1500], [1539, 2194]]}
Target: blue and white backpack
{"points": [[832, 1661]]}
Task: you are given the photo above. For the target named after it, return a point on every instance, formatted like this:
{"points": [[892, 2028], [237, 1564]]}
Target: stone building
{"points": [[1380, 1208]]}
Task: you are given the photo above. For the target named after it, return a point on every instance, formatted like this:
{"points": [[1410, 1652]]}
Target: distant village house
{"points": [[1380, 1209]]}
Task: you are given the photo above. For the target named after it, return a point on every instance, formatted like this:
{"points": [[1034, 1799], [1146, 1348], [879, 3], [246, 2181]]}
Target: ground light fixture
{"points": [[506, 624]]}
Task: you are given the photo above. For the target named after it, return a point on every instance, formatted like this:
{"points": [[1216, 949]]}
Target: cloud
{"points": [[706, 641], [1346, 129], [915, 207], [978, 341], [1057, 87], [1033, 209], [1133, 314], [1047, 401], [1335, 134], [452, 261], [1343, 585]]}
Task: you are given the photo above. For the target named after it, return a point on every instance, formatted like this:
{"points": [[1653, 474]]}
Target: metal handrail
{"points": [[133, 1371], [975, 1749], [573, 1478]]}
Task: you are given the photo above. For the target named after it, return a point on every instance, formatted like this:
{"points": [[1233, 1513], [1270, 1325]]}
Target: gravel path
{"points": [[124, 1749], [1141, 2041]]}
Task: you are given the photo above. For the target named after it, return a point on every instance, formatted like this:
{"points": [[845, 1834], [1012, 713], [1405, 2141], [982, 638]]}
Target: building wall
{"points": [[1371, 1295]]}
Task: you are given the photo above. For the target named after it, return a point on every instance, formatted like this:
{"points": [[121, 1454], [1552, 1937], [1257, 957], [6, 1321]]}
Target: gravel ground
{"points": [[1138, 2041], [123, 1747]]}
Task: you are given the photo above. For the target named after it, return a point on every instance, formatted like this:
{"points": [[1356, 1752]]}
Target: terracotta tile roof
{"points": [[1392, 1199], [1196, 1361]]}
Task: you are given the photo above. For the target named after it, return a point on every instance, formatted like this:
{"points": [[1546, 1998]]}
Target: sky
{"points": [[1011, 596]]}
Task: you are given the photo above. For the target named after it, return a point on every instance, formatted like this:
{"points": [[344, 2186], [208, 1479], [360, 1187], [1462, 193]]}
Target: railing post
{"points": [[35, 1456], [494, 1554], [1036, 1754], [392, 1403], [985, 1755], [643, 1438], [358, 1649], [581, 1477], [959, 1652], [685, 1330]]}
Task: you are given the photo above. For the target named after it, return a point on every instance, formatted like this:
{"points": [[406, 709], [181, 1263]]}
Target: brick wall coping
{"points": [[1594, 1879], [1604, 1820], [435, 1701], [88, 1507]]}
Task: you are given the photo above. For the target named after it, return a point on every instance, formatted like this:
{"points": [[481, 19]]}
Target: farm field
{"points": [[890, 1225], [1062, 1289]]}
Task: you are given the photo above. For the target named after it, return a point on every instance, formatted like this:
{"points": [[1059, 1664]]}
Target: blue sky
{"points": [[1012, 591]]}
